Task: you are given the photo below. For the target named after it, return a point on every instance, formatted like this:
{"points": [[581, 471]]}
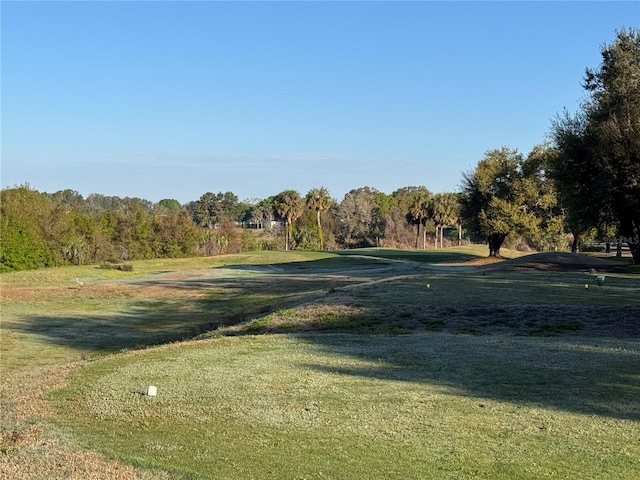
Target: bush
{"points": [[250, 241], [123, 267]]}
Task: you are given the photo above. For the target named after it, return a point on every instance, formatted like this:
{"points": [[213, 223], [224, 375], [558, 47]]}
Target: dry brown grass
{"points": [[98, 291], [30, 449]]}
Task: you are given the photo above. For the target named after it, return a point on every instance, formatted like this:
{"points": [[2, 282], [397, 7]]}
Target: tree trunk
{"points": [[575, 245], [632, 237], [459, 234], [320, 236], [424, 237], [441, 233], [286, 236], [495, 242], [619, 248], [635, 252], [418, 237]]}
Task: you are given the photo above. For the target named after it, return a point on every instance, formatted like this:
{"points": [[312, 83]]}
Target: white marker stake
{"points": [[152, 391]]}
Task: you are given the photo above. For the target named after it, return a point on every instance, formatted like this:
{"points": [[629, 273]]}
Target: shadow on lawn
{"points": [[598, 376], [183, 308], [421, 256], [178, 316], [342, 260], [590, 377]]}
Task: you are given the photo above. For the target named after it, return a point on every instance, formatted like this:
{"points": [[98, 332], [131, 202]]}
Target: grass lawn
{"points": [[377, 364], [367, 406]]}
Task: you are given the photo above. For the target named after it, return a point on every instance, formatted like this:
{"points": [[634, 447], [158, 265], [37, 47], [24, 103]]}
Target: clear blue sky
{"points": [[174, 99]]}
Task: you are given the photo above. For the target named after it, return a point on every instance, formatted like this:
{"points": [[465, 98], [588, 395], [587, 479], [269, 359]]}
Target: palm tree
{"points": [[289, 206], [419, 213], [445, 212], [318, 199]]}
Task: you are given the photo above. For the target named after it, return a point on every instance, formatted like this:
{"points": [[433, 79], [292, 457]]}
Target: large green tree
{"points": [[359, 215], [212, 209], [598, 165], [24, 245], [170, 204], [567, 169], [541, 199], [496, 201], [174, 232]]}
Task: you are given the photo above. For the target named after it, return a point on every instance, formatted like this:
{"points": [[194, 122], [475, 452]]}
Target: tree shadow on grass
{"points": [[368, 258], [171, 314], [590, 376], [595, 375], [420, 256], [586, 376]]}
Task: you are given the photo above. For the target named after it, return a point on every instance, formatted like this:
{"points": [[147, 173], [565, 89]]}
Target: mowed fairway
{"points": [[363, 364]]}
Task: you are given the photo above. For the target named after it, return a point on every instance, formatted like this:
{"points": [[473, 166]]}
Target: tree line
{"points": [[583, 183], [52, 229], [42, 229]]}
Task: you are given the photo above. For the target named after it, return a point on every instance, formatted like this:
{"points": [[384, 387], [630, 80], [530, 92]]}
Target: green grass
{"points": [[326, 365], [354, 406]]}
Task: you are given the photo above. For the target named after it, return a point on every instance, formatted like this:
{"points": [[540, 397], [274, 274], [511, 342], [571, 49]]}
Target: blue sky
{"points": [[174, 99]]}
